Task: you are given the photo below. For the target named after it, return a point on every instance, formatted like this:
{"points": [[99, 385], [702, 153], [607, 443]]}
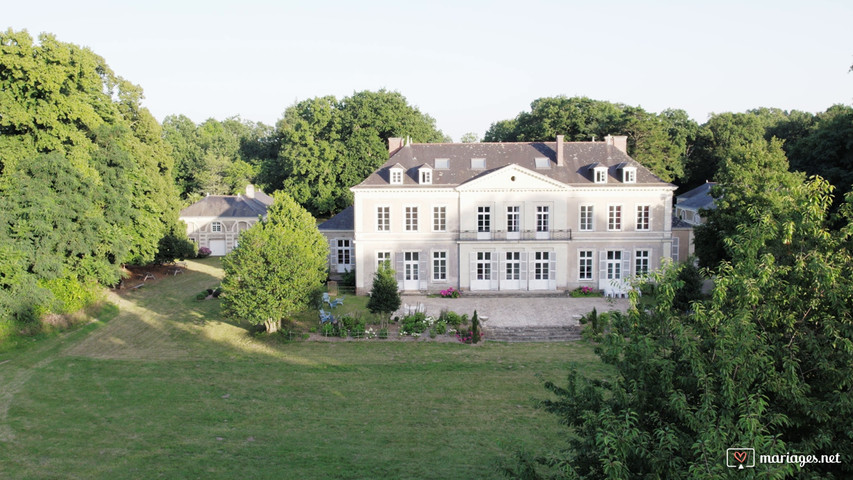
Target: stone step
{"points": [[554, 333]]}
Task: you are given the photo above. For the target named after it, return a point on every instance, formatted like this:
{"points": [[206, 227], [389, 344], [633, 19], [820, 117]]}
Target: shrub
{"points": [[452, 318], [383, 333], [475, 328], [203, 252], [384, 296], [415, 324], [348, 278], [450, 292], [585, 292], [441, 327], [466, 335]]}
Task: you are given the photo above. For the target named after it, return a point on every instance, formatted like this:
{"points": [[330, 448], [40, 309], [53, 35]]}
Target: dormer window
{"points": [[543, 162], [397, 175], [425, 174], [442, 163], [629, 175], [600, 174], [478, 164]]}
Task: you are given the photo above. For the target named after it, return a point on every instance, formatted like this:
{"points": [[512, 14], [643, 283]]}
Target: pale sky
{"points": [[465, 63]]}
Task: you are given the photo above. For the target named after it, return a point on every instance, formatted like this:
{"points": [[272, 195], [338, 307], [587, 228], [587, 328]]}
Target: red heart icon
{"points": [[740, 456]]}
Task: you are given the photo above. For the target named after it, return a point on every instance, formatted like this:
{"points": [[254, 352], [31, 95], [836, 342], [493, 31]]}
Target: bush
{"points": [[384, 296], [450, 293], [585, 292], [452, 318], [203, 252], [348, 278], [415, 324]]}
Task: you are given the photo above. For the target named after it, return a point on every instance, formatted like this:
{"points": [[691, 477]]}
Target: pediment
{"points": [[514, 178]]}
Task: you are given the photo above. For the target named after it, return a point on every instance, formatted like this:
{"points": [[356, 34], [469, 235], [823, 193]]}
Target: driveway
{"points": [[518, 311]]}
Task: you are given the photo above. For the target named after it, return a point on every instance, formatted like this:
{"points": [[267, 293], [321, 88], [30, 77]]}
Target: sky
{"points": [[467, 64]]}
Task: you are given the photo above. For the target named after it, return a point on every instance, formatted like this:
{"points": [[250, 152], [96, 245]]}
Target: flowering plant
{"points": [[203, 252], [585, 292], [450, 292]]}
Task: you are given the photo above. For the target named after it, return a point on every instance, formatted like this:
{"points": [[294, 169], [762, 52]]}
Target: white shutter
{"points": [[552, 269], [472, 268], [333, 257], [398, 261], [523, 264], [602, 265], [626, 263], [494, 274], [422, 272], [502, 264]]}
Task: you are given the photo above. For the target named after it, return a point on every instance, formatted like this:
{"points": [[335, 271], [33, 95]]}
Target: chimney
{"points": [[619, 141], [560, 161], [394, 144]]}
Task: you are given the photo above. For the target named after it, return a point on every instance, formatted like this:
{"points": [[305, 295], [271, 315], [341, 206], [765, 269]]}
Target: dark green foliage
{"points": [[85, 179], [279, 265], [475, 328], [415, 323], [659, 142], [691, 287], [384, 296], [219, 158], [765, 363], [348, 278], [175, 246], [328, 145]]}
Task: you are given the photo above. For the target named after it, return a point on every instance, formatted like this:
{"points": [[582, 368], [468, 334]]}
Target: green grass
{"points": [[167, 389]]}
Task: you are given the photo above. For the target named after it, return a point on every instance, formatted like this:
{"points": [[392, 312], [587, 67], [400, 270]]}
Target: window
{"points": [[216, 227], [442, 163], [478, 163], [382, 257], [512, 217], [629, 175], [585, 265], [484, 219], [542, 214], [542, 162], [411, 219], [614, 264], [586, 218], [383, 219], [439, 266], [675, 248], [600, 174], [484, 265], [513, 265], [643, 214], [344, 252], [439, 219], [614, 217], [641, 262], [540, 265], [426, 176], [396, 176], [410, 266]]}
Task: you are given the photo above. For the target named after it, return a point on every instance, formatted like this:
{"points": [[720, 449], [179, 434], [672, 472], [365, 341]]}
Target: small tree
{"points": [[384, 296], [280, 262]]}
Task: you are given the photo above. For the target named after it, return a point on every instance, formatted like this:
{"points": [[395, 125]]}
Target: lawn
{"points": [[166, 389]]}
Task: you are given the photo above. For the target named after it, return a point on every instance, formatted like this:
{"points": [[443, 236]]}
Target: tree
{"points": [[469, 137], [661, 143], [755, 176], [327, 146], [766, 362], [278, 265], [384, 296], [85, 178]]}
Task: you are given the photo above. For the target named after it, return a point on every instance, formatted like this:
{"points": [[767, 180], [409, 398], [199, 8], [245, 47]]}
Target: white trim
{"points": [[621, 217], [387, 219], [591, 219], [591, 260], [432, 226], [637, 217], [446, 265], [417, 218]]}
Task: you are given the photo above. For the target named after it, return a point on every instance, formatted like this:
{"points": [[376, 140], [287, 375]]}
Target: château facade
{"points": [[508, 217]]}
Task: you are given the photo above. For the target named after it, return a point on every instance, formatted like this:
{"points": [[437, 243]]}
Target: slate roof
{"points": [[342, 221], [233, 206], [679, 223], [577, 158], [698, 198]]}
